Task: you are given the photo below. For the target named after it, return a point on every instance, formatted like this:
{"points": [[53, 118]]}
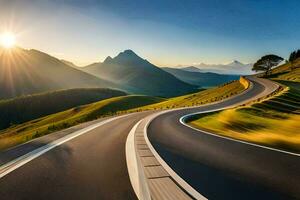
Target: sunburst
{"points": [[8, 40]]}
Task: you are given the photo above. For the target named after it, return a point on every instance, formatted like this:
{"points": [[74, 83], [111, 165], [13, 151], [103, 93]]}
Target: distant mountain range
{"points": [[137, 75], [25, 72], [195, 76], [235, 67], [189, 69]]}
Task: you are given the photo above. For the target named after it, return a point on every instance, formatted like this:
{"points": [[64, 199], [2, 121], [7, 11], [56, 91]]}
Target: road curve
{"points": [[91, 166], [224, 169]]}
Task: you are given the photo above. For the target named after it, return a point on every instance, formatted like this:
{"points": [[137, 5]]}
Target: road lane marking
{"points": [[180, 181], [22, 160], [182, 119], [134, 167]]}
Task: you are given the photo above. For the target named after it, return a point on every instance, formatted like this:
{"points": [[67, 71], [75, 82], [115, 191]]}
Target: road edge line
{"points": [[181, 120], [180, 181], [22, 160], [134, 167]]}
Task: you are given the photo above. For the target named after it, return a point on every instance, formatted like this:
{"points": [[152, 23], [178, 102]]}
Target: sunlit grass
{"points": [[25, 108], [284, 72], [55, 122], [274, 122], [207, 96], [279, 133], [119, 105]]}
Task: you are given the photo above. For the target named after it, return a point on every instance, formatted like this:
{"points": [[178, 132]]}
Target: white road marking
{"points": [[180, 181], [22, 160], [134, 167], [181, 120]]}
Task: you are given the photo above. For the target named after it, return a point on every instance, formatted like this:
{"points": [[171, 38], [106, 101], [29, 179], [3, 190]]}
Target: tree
{"points": [[293, 57], [266, 63]]}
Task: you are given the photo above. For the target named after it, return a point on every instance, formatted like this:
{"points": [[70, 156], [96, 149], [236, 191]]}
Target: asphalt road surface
{"points": [[93, 165], [224, 169]]}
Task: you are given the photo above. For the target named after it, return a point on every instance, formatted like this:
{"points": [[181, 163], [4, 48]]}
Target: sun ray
{"points": [[8, 40]]}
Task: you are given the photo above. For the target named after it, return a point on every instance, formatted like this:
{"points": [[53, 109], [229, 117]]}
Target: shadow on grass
{"points": [[243, 127], [262, 113], [276, 74]]}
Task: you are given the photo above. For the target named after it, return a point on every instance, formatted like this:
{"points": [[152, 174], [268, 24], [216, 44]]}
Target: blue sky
{"points": [[167, 33]]}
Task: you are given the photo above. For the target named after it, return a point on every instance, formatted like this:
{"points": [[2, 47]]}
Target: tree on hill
{"points": [[266, 63], [293, 57]]}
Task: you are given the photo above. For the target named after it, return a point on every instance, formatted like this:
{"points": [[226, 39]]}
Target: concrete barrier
{"points": [[245, 82]]}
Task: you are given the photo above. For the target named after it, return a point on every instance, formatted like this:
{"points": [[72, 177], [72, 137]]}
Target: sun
{"points": [[8, 40]]}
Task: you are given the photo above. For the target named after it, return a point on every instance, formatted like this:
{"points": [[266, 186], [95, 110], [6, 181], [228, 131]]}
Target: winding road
{"points": [[221, 168], [89, 161]]}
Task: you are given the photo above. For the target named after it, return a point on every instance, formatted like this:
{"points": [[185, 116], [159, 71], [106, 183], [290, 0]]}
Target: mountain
{"points": [[191, 69], [25, 72], [234, 67], [201, 79], [137, 75], [69, 63]]}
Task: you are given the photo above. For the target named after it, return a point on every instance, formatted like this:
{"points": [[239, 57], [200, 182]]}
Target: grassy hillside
{"points": [[201, 79], [24, 72], [284, 72], [273, 122], [58, 121], [119, 105], [206, 96], [26, 108], [138, 76]]}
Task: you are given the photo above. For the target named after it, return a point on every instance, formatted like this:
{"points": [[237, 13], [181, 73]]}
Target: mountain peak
{"points": [[191, 69], [235, 63], [127, 56], [129, 52], [108, 59]]}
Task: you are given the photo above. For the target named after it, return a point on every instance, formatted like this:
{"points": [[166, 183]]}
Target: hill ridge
{"points": [[137, 75], [32, 71]]}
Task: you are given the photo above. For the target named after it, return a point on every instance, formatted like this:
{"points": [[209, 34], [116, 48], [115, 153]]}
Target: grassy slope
{"points": [[199, 98], [283, 72], [26, 108], [119, 105], [273, 122], [36, 128]]}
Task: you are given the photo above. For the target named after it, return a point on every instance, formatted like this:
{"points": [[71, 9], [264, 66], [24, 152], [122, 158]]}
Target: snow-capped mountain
{"points": [[234, 67]]}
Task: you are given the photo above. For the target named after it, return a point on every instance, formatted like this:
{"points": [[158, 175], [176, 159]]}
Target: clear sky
{"points": [[166, 32]]}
